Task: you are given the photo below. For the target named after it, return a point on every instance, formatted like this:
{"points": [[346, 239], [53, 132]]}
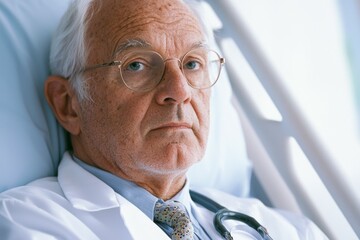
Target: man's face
{"points": [[159, 132]]}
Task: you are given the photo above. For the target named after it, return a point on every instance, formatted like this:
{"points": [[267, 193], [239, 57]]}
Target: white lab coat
{"points": [[77, 205]]}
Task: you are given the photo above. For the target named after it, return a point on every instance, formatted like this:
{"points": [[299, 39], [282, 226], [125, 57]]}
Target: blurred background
{"points": [[295, 71]]}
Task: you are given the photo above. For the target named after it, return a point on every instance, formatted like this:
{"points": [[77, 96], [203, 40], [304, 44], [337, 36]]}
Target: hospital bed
{"points": [[32, 142]]}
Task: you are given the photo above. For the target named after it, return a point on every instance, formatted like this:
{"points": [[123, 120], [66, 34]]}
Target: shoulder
{"points": [[34, 198], [40, 210], [21, 207], [33, 191]]}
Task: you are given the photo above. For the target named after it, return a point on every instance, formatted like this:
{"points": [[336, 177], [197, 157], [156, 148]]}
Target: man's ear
{"points": [[63, 102]]}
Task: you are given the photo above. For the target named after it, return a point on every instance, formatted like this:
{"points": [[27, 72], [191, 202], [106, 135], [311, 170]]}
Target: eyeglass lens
{"points": [[143, 70]]}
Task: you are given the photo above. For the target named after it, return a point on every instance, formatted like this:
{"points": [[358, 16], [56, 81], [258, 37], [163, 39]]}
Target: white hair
{"points": [[68, 53], [196, 6]]}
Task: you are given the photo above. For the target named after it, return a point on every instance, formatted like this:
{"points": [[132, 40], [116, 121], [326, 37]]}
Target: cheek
{"points": [[114, 119], [124, 118], [202, 111], [117, 107], [111, 132]]}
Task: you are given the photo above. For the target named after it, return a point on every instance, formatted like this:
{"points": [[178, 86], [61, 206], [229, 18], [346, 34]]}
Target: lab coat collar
{"points": [[82, 189]]}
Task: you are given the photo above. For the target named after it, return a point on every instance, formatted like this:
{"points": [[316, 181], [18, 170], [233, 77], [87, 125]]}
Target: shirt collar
{"points": [[184, 197]]}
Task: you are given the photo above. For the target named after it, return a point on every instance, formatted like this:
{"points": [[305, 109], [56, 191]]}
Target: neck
{"points": [[163, 186]]}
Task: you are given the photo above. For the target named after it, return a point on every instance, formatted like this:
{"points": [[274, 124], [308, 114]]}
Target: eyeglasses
{"points": [[142, 70]]}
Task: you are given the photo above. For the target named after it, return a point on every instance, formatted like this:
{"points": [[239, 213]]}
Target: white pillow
{"points": [[32, 142]]}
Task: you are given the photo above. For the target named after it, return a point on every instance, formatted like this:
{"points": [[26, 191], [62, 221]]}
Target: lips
{"points": [[174, 125]]}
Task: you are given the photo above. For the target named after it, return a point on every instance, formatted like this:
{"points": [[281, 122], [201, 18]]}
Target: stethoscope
{"points": [[222, 214]]}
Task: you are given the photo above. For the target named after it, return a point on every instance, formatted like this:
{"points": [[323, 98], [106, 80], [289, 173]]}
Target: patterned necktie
{"points": [[173, 214]]}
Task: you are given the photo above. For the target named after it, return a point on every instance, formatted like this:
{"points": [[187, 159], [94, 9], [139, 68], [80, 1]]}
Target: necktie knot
{"points": [[174, 215]]}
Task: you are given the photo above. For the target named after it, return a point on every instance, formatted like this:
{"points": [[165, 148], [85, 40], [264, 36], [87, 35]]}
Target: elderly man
{"points": [[131, 84]]}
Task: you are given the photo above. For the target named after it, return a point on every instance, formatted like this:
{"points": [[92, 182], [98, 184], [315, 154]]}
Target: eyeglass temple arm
{"points": [[109, 64]]}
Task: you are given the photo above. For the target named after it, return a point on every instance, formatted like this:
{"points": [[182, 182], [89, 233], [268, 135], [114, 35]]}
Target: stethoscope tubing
{"points": [[222, 214]]}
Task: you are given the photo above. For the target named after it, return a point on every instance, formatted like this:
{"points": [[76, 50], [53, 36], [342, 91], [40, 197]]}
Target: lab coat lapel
{"points": [[137, 223], [129, 221], [205, 219]]}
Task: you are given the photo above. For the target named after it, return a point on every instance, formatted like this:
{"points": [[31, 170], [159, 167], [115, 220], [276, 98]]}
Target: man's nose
{"points": [[173, 88]]}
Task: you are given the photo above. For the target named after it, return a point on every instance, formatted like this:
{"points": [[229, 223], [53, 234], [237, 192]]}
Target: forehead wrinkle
{"points": [[169, 19], [146, 23], [156, 14], [131, 43], [142, 44], [145, 18], [121, 42]]}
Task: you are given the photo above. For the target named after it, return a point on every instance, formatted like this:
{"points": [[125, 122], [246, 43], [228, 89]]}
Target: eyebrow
{"points": [[131, 43], [140, 43], [199, 44]]}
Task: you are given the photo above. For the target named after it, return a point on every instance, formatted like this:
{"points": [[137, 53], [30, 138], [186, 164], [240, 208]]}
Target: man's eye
{"points": [[135, 66], [192, 65]]}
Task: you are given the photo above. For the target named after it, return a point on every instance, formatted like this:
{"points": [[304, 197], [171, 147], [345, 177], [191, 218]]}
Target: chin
{"points": [[182, 157], [169, 157], [173, 161]]}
